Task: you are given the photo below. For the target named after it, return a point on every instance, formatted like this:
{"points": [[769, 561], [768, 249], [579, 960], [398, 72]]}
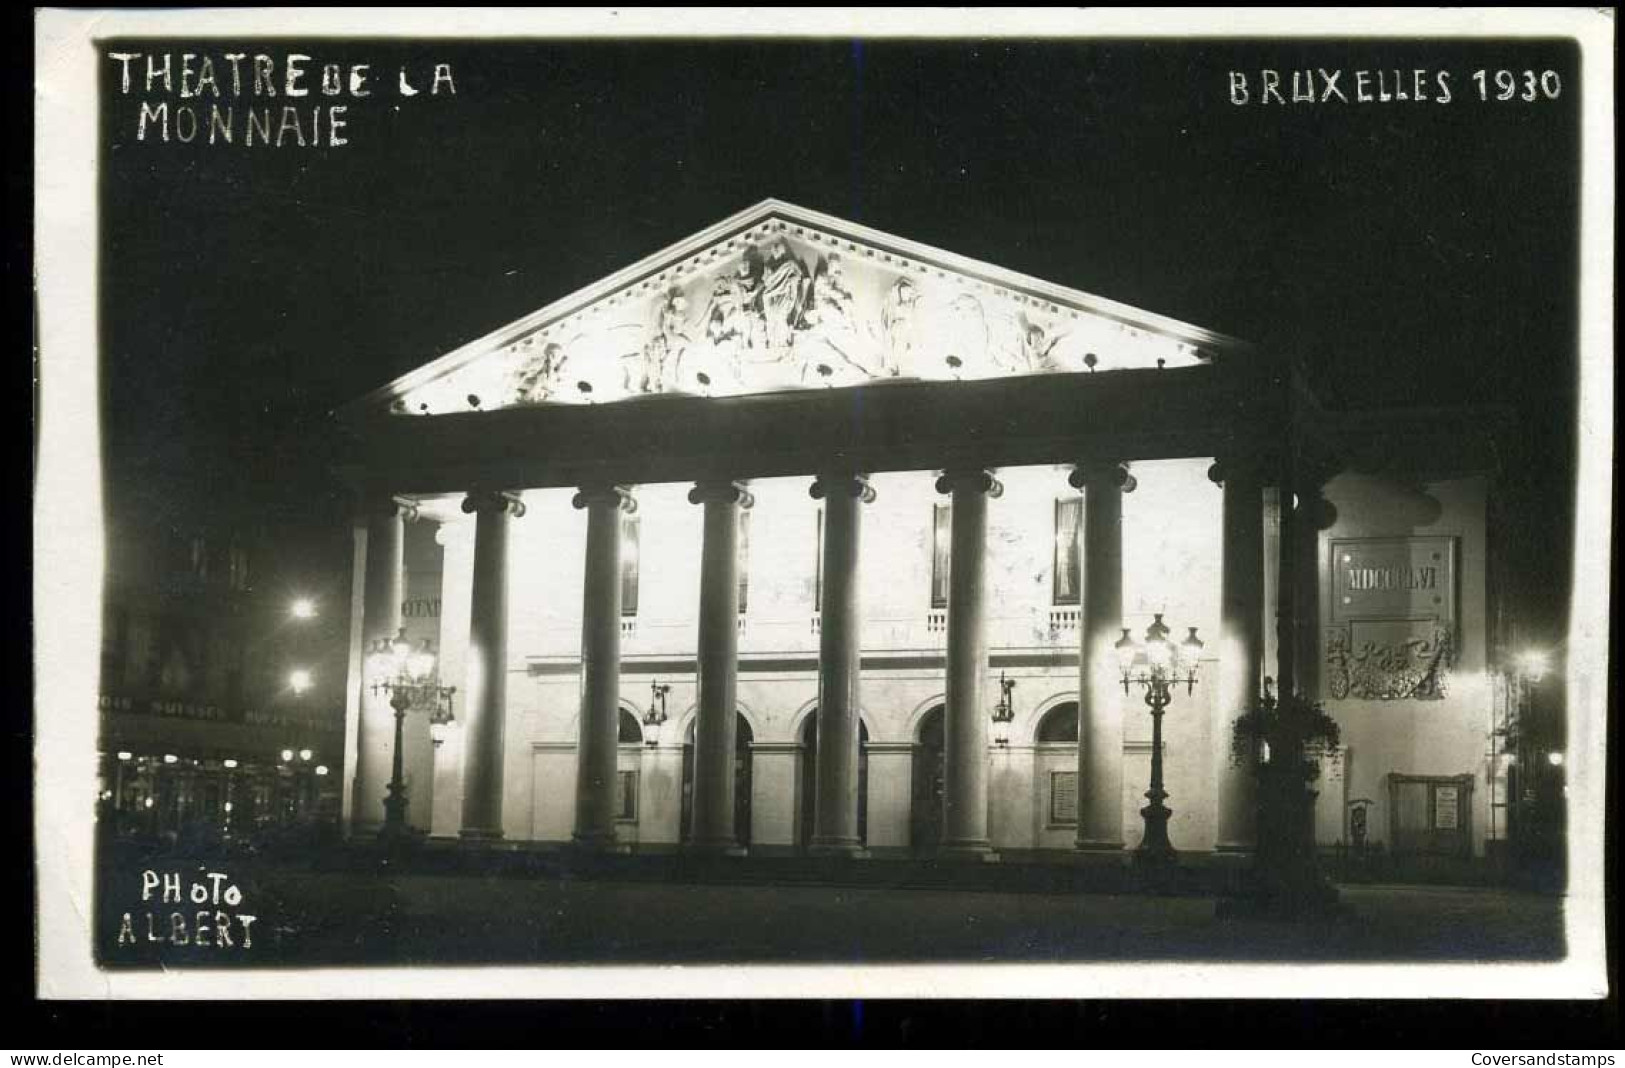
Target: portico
{"points": [[828, 480]]}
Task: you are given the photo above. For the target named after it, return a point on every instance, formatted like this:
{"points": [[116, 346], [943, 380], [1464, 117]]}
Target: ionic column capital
{"points": [[827, 485], [721, 492], [494, 501], [974, 478], [604, 493], [1102, 476], [389, 506]]}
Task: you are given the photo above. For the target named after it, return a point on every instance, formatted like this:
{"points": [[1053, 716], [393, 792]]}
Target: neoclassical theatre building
{"points": [[798, 536]]}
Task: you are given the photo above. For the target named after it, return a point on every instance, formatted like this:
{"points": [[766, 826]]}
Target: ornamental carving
{"points": [[782, 305], [1415, 668]]}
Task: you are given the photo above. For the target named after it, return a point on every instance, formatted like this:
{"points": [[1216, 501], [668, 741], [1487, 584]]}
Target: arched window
{"points": [[1060, 724], [631, 732]]}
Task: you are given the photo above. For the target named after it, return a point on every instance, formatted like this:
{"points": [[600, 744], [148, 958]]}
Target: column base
{"points": [[598, 843], [974, 852], [1100, 846], [722, 847], [849, 848], [474, 835], [1236, 848]]}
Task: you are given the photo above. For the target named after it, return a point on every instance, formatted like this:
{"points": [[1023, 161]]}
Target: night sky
{"points": [[1411, 253]]}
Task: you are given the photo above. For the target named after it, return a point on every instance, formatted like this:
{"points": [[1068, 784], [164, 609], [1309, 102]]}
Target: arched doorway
{"points": [[742, 739], [809, 779], [1060, 724], [925, 794]]}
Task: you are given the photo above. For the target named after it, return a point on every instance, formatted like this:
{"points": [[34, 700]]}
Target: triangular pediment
{"points": [[780, 297]]}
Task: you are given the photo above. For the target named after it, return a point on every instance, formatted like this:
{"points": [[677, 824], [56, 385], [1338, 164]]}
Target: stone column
{"points": [[835, 797], [599, 738], [485, 708], [1100, 699], [1241, 646], [718, 667], [1314, 514], [380, 618], [964, 786]]}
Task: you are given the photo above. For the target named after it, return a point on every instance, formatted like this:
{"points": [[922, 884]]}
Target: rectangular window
{"points": [[941, 538], [1068, 561], [629, 565], [627, 801], [818, 564], [744, 560], [1063, 798]]}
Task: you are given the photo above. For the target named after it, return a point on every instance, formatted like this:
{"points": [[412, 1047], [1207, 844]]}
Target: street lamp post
{"points": [[1157, 665], [656, 716], [1004, 713], [408, 677]]}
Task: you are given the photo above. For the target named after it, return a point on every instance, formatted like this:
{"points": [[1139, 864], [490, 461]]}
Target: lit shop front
{"points": [[798, 536], [174, 770]]}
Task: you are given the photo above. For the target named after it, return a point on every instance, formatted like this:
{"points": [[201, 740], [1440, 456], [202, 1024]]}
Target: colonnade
{"points": [[835, 791]]}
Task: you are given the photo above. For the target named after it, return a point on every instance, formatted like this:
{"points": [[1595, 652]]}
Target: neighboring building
{"points": [[819, 494], [202, 735]]}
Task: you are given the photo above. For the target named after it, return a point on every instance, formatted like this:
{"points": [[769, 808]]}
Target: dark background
{"points": [[1411, 254]]}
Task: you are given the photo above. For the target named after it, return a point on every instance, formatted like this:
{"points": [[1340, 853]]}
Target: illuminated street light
{"points": [[410, 678], [1533, 664], [1157, 665], [1554, 759], [287, 755], [304, 754], [299, 680], [303, 608]]}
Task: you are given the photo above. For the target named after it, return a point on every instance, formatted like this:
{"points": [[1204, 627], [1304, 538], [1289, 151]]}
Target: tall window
{"points": [[626, 802], [1068, 563], [818, 563], [744, 560], [629, 565], [941, 538]]}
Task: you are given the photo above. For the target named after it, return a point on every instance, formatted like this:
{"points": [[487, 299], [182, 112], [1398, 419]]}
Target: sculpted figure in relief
{"points": [[665, 349], [784, 288], [728, 317], [834, 347], [1038, 348], [897, 317], [541, 378]]}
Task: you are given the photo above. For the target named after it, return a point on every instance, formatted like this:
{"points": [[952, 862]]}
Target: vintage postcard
{"points": [[892, 504]]}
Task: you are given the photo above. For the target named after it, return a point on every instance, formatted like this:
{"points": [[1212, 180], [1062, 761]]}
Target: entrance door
{"points": [[930, 767], [742, 741], [809, 779]]}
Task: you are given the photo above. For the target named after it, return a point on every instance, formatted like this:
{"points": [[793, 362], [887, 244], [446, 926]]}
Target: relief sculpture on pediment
{"points": [[784, 307]]}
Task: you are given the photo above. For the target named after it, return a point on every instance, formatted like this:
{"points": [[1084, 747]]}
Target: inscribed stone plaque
{"points": [[1446, 808], [1393, 578], [1393, 615]]}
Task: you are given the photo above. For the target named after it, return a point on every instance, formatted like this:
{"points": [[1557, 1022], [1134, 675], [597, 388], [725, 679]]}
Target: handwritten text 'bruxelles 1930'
{"points": [[1286, 88], [238, 98]]}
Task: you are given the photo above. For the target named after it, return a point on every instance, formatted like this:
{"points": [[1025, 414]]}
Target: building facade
{"points": [[202, 738], [798, 536]]}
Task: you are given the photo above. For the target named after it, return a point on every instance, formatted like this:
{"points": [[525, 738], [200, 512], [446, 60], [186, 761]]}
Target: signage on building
{"points": [[421, 608], [213, 713], [1393, 616], [1393, 578]]}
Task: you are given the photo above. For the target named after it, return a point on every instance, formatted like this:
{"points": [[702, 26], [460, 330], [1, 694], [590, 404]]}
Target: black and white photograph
{"points": [[906, 504]]}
